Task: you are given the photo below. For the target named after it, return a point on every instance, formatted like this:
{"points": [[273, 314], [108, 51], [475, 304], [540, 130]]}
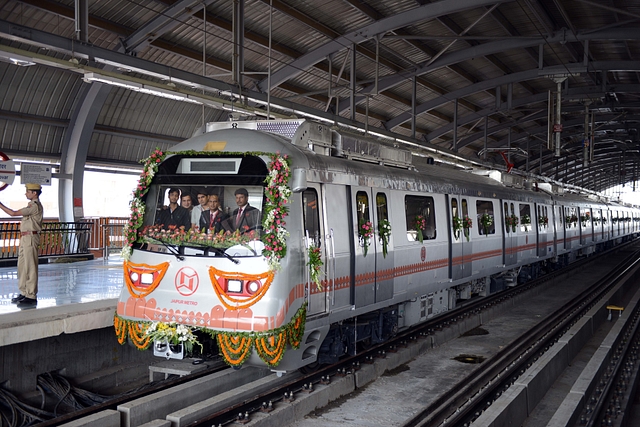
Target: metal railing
{"points": [[56, 238], [102, 235]]}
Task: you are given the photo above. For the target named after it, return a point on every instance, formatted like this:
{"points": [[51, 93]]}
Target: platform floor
{"points": [[72, 297], [66, 283]]}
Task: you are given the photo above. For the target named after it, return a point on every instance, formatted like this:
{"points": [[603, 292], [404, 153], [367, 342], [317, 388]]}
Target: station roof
{"points": [[468, 80]]}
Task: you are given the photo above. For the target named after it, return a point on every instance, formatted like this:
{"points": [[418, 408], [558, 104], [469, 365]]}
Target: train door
{"points": [[314, 237], [364, 262], [384, 249], [510, 238], [460, 259], [338, 228]]}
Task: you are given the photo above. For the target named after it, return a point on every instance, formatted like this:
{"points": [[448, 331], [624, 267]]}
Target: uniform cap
{"points": [[33, 187]]}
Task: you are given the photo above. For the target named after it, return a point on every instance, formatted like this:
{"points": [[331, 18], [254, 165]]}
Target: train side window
{"points": [[311, 217], [506, 215], [382, 207], [525, 216], [454, 208], [486, 217], [362, 205], [420, 206]]}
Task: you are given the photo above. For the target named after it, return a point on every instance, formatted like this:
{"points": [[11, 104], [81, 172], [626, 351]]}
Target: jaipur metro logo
{"points": [[187, 281]]}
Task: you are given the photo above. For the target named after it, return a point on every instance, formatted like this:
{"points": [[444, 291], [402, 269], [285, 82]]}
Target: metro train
{"points": [[358, 240]]}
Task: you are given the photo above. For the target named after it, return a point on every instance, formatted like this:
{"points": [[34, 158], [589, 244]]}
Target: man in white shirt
{"points": [[196, 212]]}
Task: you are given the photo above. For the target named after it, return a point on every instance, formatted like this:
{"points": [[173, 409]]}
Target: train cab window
{"points": [[525, 217], [382, 207], [486, 218], [420, 212], [571, 217], [311, 217], [362, 205], [507, 227]]}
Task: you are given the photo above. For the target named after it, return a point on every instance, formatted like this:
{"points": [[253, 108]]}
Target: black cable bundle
{"points": [[14, 413], [73, 397]]}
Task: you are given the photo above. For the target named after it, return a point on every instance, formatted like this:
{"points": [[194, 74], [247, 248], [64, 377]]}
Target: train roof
{"points": [[335, 156]]}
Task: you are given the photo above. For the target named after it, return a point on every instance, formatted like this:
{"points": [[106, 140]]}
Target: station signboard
{"points": [[35, 173], [7, 171]]}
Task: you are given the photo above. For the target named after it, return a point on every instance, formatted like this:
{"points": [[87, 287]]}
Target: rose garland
{"points": [[543, 221], [277, 193], [149, 169], [315, 264], [234, 347], [487, 221], [467, 223], [515, 221], [420, 223], [177, 236], [384, 232], [365, 232], [457, 226]]}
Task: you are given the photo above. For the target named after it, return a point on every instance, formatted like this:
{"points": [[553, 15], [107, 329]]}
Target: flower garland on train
{"points": [[235, 347], [277, 192]]}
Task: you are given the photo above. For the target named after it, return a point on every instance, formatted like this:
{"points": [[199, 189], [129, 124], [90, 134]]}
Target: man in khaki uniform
{"points": [[30, 226]]}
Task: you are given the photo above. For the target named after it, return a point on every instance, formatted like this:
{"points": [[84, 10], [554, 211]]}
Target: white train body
{"points": [[363, 298]]}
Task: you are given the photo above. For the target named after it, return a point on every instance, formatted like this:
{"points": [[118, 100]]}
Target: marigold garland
{"points": [[138, 337], [270, 348], [140, 269], [240, 303], [234, 346], [120, 325], [296, 328]]}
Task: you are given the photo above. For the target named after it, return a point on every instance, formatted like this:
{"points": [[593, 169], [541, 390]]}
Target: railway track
{"points": [[257, 397], [466, 402]]}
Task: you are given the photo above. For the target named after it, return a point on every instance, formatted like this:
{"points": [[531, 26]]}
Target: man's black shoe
{"points": [[27, 302], [17, 299]]}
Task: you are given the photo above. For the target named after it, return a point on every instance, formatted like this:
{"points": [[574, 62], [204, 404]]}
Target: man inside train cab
{"points": [[174, 216], [30, 226], [246, 217], [196, 212], [212, 219]]}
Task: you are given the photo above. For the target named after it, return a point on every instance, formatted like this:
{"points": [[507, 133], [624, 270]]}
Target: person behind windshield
{"points": [[246, 217], [196, 212], [211, 220], [187, 202], [174, 216]]}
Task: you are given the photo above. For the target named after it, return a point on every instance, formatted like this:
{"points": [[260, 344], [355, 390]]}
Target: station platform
{"points": [[72, 297]]}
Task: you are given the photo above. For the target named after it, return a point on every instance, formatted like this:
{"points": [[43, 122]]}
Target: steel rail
{"points": [[470, 397]]}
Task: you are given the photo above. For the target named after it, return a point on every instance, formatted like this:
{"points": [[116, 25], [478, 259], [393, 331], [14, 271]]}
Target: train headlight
{"points": [[134, 277], [146, 279], [234, 286], [253, 286]]}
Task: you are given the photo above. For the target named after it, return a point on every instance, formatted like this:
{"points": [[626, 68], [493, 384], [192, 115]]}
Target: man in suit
{"points": [[211, 219], [246, 217]]}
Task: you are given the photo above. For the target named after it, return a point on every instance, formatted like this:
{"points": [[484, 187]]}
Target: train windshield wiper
{"points": [[225, 254], [216, 250], [172, 249]]}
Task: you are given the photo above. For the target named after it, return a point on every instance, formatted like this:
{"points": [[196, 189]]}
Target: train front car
{"points": [[226, 276]]}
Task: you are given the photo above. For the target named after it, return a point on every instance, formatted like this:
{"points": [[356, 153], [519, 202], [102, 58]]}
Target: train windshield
{"points": [[206, 206]]}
